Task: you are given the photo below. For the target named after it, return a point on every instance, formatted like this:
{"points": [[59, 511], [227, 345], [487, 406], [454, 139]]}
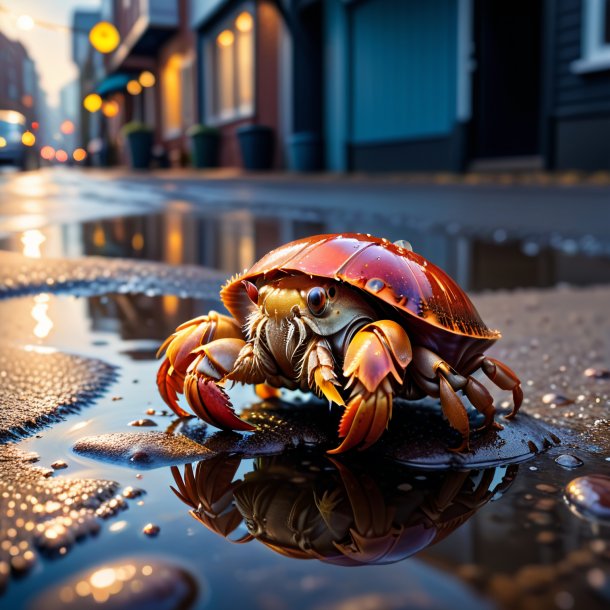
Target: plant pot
{"points": [[140, 148], [205, 148], [256, 144], [305, 152]]}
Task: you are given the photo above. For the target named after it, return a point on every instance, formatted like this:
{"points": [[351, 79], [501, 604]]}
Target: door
{"points": [[507, 80]]}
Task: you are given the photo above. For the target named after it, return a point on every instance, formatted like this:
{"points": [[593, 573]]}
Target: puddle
{"points": [[232, 238], [548, 552]]}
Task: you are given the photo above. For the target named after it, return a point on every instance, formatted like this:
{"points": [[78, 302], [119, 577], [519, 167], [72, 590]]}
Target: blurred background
{"points": [[480, 130]]}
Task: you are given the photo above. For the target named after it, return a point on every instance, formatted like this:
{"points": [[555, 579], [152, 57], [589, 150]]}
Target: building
{"points": [[18, 80]]}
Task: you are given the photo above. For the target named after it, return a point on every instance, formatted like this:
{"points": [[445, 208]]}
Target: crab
{"points": [[353, 318]]}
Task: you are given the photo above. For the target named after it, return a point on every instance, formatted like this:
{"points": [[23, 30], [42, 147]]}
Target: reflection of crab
{"points": [[311, 508], [332, 312]]}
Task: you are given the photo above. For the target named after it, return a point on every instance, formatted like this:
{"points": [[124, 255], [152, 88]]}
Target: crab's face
{"points": [[329, 306]]}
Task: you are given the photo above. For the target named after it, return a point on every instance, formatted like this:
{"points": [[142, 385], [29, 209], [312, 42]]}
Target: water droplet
{"points": [[403, 243], [150, 529], [375, 285], [597, 373], [589, 496], [142, 422], [556, 399], [568, 461]]}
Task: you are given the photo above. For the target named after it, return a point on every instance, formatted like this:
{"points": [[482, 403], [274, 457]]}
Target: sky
{"points": [[50, 49]]}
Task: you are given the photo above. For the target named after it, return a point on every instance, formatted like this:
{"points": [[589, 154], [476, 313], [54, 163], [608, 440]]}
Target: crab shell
{"points": [[433, 309]]}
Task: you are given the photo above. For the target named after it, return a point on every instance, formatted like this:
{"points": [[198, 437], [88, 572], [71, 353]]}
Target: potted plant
{"points": [[139, 138], [204, 145], [305, 152], [256, 143]]}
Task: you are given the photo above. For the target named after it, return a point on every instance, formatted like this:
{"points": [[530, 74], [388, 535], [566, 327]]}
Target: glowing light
{"points": [[99, 237], [27, 100], [28, 138], [117, 527], [2, 142], [12, 116], [79, 154], [134, 87], [93, 102], [137, 241], [147, 79], [244, 22], [110, 108], [61, 156], [47, 153], [32, 240], [104, 37], [25, 22], [225, 38], [44, 324], [103, 578], [67, 127], [35, 125]]}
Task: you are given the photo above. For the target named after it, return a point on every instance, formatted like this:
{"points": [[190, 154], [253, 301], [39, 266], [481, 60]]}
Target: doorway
{"points": [[507, 82]]}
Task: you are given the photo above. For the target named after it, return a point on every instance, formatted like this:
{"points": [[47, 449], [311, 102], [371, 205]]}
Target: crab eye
{"points": [[316, 300]]}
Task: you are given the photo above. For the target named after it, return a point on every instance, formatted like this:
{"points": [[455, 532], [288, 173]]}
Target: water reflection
{"points": [[305, 505]]}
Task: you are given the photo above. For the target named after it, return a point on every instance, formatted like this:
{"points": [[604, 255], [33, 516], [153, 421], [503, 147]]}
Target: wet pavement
{"points": [[486, 536]]}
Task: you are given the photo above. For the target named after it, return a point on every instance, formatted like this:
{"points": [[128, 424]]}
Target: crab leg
{"points": [[437, 378], [321, 370], [375, 359]]}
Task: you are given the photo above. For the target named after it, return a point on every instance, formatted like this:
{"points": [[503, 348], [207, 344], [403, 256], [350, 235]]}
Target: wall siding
{"points": [[403, 83], [573, 93]]}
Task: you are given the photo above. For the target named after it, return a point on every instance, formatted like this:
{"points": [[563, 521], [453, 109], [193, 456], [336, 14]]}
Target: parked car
{"points": [[12, 128]]}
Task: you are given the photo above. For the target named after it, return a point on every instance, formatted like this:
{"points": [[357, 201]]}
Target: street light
{"points": [[110, 108], [147, 79], [67, 127], [104, 37], [93, 102], [28, 138], [134, 87]]}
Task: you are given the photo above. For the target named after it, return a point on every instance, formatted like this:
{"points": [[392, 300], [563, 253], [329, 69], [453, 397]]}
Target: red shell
{"points": [[438, 311]]}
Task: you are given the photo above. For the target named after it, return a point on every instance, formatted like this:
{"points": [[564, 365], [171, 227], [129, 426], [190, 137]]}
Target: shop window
{"points": [[230, 73], [595, 41]]}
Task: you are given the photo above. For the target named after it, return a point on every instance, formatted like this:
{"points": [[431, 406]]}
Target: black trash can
{"points": [[205, 146], [305, 152], [256, 143], [139, 138]]}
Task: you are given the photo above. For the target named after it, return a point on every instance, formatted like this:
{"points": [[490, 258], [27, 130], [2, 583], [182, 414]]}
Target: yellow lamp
{"points": [[134, 87], [79, 154], [225, 38], [244, 22], [104, 37], [110, 108], [2, 142], [147, 79], [28, 138], [93, 102]]}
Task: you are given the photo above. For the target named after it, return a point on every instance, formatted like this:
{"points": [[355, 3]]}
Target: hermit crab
{"points": [[351, 317]]}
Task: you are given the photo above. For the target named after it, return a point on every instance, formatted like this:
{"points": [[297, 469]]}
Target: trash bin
{"points": [[256, 143], [305, 152], [139, 141]]}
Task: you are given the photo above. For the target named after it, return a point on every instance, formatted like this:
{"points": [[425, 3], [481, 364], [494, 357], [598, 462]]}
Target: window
{"points": [[595, 45], [172, 96], [230, 82]]}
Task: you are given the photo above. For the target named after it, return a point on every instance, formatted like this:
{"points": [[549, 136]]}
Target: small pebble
{"points": [[568, 461], [142, 422], [597, 373], [115, 398], [556, 399], [59, 465], [150, 529], [132, 492], [150, 412]]}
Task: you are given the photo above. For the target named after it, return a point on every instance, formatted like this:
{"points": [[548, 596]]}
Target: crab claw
{"points": [[211, 403], [181, 349]]}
